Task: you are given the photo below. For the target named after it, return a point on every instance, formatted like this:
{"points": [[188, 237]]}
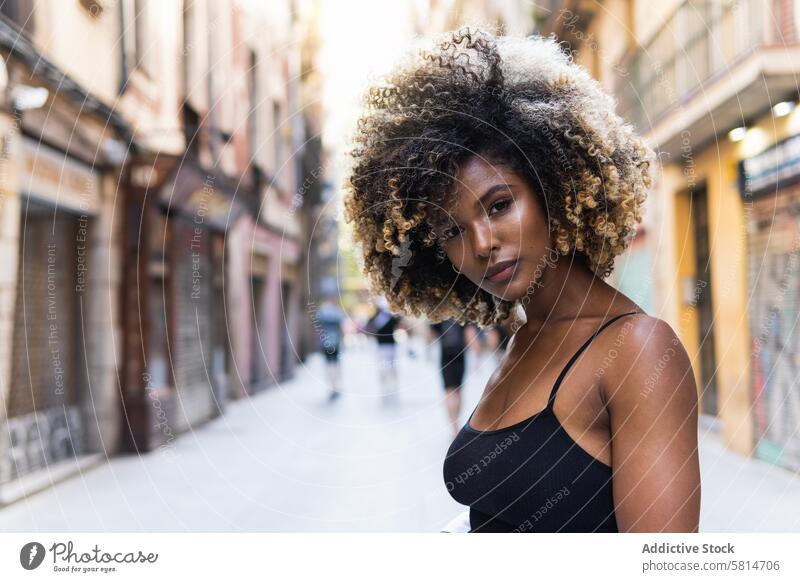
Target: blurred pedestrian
{"points": [[383, 325], [474, 340], [416, 336], [330, 317], [452, 340]]}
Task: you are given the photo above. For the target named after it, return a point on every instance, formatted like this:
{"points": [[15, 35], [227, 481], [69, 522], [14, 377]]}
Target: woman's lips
{"points": [[503, 275]]}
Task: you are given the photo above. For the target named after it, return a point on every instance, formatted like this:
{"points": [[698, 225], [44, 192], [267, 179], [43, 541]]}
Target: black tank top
{"points": [[531, 476]]}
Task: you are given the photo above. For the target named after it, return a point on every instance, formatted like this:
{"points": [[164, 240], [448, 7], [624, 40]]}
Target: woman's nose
{"points": [[483, 241]]}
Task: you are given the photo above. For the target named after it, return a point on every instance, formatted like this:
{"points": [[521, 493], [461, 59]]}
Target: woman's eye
{"points": [[499, 206], [451, 232]]}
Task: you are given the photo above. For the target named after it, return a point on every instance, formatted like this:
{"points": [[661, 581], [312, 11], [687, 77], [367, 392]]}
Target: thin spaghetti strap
{"points": [[551, 401]]}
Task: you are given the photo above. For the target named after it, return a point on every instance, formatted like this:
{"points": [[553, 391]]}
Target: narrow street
{"points": [[284, 460], [287, 460]]}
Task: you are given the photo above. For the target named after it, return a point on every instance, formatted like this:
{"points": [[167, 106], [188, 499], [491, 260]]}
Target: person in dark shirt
{"points": [[452, 341], [383, 325], [330, 320]]}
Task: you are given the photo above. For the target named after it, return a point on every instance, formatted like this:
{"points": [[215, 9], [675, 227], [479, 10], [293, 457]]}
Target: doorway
{"points": [[703, 303]]}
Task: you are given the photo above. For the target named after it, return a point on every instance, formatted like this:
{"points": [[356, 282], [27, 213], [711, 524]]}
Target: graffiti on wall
{"points": [[39, 439], [774, 279]]}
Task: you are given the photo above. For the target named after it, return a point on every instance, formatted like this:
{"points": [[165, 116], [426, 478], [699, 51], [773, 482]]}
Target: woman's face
{"points": [[498, 235]]}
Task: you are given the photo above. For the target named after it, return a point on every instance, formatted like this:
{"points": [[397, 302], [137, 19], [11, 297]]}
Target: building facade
{"points": [[151, 156], [62, 156], [712, 86], [214, 260]]}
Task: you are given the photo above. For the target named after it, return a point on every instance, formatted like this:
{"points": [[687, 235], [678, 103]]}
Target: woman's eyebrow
{"points": [[491, 191]]}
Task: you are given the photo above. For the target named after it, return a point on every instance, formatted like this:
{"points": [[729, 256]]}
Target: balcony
{"points": [[713, 65]]}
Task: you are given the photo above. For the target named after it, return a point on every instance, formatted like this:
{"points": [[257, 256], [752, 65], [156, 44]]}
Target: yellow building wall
{"points": [[717, 166], [667, 218], [685, 270]]}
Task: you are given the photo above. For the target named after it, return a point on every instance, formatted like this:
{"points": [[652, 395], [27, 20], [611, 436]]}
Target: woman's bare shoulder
{"points": [[649, 359]]}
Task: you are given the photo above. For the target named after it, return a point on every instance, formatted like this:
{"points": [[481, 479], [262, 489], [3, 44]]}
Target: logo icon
{"points": [[400, 261], [31, 555]]}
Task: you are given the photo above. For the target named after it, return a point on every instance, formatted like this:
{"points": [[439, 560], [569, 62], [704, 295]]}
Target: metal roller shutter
{"points": [[45, 424], [193, 331]]}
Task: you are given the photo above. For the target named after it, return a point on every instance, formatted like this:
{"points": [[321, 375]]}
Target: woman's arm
{"points": [[651, 397]]}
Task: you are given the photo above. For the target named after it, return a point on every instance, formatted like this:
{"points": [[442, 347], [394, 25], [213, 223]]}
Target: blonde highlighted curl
{"points": [[517, 101]]}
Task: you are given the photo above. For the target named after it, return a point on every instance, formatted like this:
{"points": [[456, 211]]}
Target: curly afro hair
{"points": [[519, 101]]}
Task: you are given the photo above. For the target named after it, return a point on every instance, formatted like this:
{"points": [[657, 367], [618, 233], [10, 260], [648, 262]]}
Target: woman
{"points": [[500, 172]]}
